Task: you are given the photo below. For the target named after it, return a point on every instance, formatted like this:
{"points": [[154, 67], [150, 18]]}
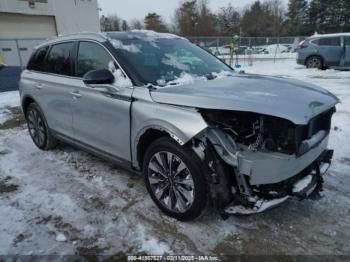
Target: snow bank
{"points": [[8, 100]]}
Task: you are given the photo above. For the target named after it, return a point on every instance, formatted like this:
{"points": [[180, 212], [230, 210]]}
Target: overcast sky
{"points": [[130, 9]]}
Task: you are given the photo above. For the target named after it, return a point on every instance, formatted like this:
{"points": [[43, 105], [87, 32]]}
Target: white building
{"points": [[31, 21]]}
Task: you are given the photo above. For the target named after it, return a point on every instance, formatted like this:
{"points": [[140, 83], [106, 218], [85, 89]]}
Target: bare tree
{"points": [[110, 23], [229, 20], [207, 21], [136, 24], [277, 12]]}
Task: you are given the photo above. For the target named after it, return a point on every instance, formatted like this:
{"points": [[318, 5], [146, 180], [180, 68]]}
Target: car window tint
{"points": [[347, 40], [36, 62], [92, 56], [59, 60], [329, 41]]}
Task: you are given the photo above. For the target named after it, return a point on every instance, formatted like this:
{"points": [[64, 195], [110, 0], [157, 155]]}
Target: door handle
{"points": [[76, 94], [39, 86]]}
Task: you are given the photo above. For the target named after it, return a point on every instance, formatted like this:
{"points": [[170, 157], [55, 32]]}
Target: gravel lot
{"points": [[66, 202]]}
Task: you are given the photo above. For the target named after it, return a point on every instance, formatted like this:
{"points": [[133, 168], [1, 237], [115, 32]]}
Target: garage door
{"points": [[26, 26], [29, 30]]}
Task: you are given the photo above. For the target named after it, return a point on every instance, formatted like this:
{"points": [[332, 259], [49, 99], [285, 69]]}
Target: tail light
{"points": [[303, 45]]}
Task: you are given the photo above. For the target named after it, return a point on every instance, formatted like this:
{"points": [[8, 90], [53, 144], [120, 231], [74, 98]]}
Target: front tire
{"points": [[174, 180], [38, 128]]}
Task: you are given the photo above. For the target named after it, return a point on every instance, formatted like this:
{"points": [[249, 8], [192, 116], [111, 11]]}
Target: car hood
{"points": [[289, 99]]}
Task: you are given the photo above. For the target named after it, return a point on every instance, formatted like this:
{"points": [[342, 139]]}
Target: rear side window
{"points": [[37, 60], [329, 41], [59, 60], [92, 56], [315, 41]]}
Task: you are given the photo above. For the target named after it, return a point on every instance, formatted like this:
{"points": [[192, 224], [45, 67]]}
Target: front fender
{"points": [[181, 123]]}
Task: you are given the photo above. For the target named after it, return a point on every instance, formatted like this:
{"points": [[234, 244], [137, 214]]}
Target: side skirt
{"points": [[125, 164]]}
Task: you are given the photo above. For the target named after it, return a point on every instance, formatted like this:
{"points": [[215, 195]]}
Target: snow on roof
{"points": [[141, 34], [329, 35]]}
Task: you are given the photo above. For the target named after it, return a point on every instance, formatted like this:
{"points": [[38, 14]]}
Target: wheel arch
{"points": [[151, 133], [145, 140], [318, 55], [26, 101]]}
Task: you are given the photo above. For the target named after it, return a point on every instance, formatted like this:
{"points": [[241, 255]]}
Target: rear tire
{"points": [[314, 62], [174, 180], [38, 128]]}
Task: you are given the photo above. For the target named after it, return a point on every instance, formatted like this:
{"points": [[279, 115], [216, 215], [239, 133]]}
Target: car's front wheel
{"points": [[174, 180], [38, 128]]}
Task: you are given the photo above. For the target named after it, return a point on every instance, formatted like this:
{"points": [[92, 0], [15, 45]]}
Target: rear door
{"points": [[53, 85], [101, 113], [331, 50]]}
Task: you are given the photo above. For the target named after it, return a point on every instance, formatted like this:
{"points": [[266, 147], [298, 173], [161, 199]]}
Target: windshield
{"points": [[163, 61]]}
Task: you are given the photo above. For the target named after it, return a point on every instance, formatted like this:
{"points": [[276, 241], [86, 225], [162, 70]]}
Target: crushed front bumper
{"points": [[263, 168], [266, 179], [301, 188]]}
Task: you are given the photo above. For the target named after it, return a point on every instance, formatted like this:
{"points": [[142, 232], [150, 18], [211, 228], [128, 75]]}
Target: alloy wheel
{"points": [[314, 62], [171, 182], [36, 127]]}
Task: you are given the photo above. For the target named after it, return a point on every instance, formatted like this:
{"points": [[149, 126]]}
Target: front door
{"points": [[101, 117]]}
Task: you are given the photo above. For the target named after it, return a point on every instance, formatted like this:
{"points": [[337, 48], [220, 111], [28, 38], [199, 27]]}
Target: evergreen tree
{"points": [[297, 17], [125, 26], [186, 18], [153, 21], [329, 16], [258, 21]]}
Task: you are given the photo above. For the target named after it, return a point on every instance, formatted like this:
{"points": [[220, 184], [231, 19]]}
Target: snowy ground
{"points": [[68, 202]]}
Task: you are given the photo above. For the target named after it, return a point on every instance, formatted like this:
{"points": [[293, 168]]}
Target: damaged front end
{"points": [[256, 162]]}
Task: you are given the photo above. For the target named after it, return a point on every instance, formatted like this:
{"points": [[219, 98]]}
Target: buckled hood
{"points": [[289, 99]]}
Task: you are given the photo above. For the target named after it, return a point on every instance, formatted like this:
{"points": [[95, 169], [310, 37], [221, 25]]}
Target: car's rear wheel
{"points": [[38, 128], [314, 62], [174, 180]]}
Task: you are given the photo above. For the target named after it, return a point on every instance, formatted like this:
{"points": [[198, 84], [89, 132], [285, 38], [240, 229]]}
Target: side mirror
{"points": [[98, 77]]}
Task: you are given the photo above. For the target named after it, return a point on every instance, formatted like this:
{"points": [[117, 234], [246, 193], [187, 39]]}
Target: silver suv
{"points": [[201, 134], [324, 51]]}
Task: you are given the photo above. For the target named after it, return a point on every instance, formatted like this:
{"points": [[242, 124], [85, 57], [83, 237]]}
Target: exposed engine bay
{"points": [[267, 133], [256, 161]]}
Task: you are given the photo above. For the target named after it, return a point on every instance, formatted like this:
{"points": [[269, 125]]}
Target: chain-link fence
{"points": [[250, 49], [16, 52]]}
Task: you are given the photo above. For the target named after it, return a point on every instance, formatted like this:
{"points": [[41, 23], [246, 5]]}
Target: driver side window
{"points": [[92, 56]]}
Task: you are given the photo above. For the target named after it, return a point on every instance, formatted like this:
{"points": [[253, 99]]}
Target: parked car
{"points": [[220, 50], [200, 134], [259, 50], [323, 51]]}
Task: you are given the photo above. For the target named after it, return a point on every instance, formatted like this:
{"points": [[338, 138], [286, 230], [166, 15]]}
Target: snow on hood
{"points": [[186, 78], [289, 99]]}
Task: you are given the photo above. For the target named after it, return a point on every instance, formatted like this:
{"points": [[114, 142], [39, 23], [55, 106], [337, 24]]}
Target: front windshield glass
{"points": [[164, 61]]}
